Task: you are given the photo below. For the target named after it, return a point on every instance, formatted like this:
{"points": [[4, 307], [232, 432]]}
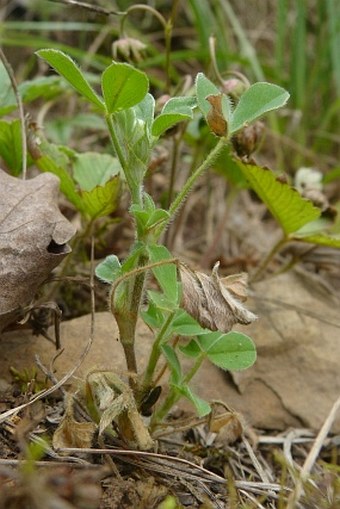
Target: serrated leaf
{"points": [[202, 407], [91, 169], [11, 145], [166, 275], [173, 363], [109, 269], [43, 87], [54, 159], [288, 207], [165, 121], [259, 99], [66, 67], [322, 239], [101, 200], [123, 86], [8, 101], [233, 351]]}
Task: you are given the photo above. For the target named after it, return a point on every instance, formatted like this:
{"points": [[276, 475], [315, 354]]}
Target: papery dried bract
{"points": [[215, 303]]}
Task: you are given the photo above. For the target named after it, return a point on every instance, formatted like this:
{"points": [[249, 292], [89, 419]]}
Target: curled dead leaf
{"points": [[33, 239], [213, 301], [71, 433]]}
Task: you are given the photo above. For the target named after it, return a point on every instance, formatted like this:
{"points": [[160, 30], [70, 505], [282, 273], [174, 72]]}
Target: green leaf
{"points": [[11, 145], [183, 105], [185, 325], [101, 200], [49, 157], [91, 169], [8, 101], [233, 351], [204, 88], [166, 275], [259, 99], [322, 239], [66, 67], [145, 110], [173, 363], [109, 269], [165, 121], [153, 317], [202, 407], [43, 87], [123, 86], [192, 349], [284, 202], [161, 301]]}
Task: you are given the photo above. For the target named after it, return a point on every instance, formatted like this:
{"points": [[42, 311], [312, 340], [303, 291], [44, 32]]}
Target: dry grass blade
{"points": [[312, 456]]}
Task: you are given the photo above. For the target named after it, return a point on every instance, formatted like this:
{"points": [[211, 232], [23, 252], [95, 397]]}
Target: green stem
{"points": [[156, 352], [177, 203], [175, 395]]}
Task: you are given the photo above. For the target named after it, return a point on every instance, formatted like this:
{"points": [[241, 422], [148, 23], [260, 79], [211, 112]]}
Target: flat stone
{"points": [[294, 382]]}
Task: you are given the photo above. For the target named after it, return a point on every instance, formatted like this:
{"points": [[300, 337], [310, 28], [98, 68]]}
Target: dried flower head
{"points": [[129, 48], [213, 301]]}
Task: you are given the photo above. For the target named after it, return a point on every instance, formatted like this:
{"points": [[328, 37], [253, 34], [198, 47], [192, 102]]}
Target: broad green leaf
{"points": [[202, 407], [101, 200], [11, 145], [8, 101], [173, 363], [43, 87], [145, 110], [259, 99], [161, 301], [204, 88], [153, 316], [192, 349], [185, 325], [49, 157], [284, 202], [133, 259], [157, 217], [165, 121], [233, 351], [322, 239], [91, 169], [166, 275], [109, 269], [66, 67], [183, 105], [123, 86]]}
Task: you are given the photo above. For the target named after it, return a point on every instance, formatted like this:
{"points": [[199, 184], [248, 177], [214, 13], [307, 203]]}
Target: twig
{"points": [[94, 8], [312, 456], [11, 76]]}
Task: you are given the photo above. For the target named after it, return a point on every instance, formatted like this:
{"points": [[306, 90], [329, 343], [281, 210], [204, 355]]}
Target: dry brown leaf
{"points": [[33, 239], [215, 303], [71, 433], [215, 117]]}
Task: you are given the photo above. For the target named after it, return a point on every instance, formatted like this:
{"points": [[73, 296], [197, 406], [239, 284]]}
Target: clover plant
{"points": [[187, 304]]}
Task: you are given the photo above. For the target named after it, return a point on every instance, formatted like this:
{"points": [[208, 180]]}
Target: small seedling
{"points": [[188, 304]]}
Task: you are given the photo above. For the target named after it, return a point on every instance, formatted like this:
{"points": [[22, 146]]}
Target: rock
{"points": [[294, 382]]}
